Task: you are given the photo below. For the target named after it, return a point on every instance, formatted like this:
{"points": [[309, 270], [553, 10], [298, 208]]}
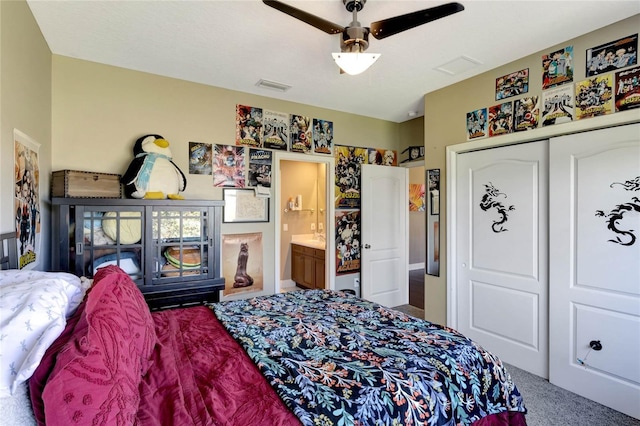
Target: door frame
{"points": [[329, 161], [452, 153]]}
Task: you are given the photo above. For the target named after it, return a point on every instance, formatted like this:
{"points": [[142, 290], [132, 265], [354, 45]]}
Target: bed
{"points": [[314, 357]]}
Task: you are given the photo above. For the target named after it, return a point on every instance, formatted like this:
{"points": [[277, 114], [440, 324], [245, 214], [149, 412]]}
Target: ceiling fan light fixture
{"points": [[354, 63]]}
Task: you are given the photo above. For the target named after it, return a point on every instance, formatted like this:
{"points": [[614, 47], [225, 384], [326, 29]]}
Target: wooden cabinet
{"points": [[307, 266], [170, 248]]}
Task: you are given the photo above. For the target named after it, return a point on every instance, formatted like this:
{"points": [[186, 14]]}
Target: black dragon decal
{"points": [[615, 216], [489, 202]]}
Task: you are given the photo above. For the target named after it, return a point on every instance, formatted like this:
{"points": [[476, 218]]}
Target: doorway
{"points": [[303, 209]]}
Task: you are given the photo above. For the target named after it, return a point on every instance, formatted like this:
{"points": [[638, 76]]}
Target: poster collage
{"points": [[612, 85], [248, 163], [347, 200]]}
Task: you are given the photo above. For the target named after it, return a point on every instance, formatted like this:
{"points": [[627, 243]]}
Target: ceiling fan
{"points": [[355, 38]]}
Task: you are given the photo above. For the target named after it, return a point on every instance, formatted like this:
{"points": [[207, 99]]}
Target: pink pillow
{"points": [[97, 373]]}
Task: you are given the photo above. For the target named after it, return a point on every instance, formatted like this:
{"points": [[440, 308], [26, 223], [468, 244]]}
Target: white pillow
{"points": [[34, 306]]}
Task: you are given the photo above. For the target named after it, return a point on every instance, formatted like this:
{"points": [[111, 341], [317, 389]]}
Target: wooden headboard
{"points": [[8, 251]]}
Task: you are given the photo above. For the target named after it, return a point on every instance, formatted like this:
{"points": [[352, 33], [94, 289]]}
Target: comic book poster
{"points": [[612, 56], [27, 200], [557, 68], [477, 124], [347, 241], [628, 89], [260, 167], [513, 84], [300, 134], [501, 119], [558, 105], [248, 126], [594, 96], [526, 113], [416, 197], [276, 130], [200, 156], [322, 136], [228, 166], [242, 263], [348, 161], [382, 157]]}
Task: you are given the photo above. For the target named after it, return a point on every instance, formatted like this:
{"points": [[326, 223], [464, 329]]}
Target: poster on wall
{"points": [[628, 89], [594, 97], [242, 263], [526, 113], [276, 130], [557, 68], [558, 105], [416, 197], [513, 84], [477, 124], [348, 161], [248, 126], [228, 166], [200, 156], [322, 136], [260, 167], [432, 221], [27, 200], [612, 56], [300, 134], [347, 241], [501, 119], [382, 157]]}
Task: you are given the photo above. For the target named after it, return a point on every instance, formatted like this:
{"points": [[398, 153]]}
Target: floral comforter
{"points": [[335, 359]]}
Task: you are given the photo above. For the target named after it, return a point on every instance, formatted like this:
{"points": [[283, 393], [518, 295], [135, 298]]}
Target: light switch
{"points": [[313, 226], [285, 227]]}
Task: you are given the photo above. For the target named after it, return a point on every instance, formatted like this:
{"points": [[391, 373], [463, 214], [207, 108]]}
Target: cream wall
{"points": [[99, 111], [25, 104], [445, 116]]}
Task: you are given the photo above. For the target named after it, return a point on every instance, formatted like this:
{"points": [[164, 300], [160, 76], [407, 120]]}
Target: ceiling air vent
{"points": [[458, 65], [273, 85]]}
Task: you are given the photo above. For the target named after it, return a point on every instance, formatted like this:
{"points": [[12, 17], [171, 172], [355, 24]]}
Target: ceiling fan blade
{"points": [[313, 20], [397, 24]]}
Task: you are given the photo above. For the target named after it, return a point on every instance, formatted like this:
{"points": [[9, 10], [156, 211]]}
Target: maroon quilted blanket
{"points": [[202, 376]]}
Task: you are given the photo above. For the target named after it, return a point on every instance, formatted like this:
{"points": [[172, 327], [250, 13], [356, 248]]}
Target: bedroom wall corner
{"points": [[25, 105]]}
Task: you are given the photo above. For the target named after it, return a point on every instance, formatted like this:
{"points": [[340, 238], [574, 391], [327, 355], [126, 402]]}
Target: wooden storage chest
{"points": [[78, 184]]}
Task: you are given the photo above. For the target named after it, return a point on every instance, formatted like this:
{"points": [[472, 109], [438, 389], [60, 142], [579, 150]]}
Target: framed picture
{"points": [[612, 56], [513, 84], [242, 205], [433, 183], [432, 222]]}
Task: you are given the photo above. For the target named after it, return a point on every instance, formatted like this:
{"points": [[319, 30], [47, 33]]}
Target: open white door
{"points": [[384, 264], [595, 266]]}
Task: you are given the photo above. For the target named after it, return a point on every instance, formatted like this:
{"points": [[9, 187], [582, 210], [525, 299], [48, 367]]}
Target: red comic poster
{"points": [[628, 89], [594, 96], [228, 166], [501, 119], [248, 126], [557, 68], [347, 241]]}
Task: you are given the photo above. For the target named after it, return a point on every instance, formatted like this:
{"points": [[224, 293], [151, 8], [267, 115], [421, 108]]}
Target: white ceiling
{"points": [[233, 44]]}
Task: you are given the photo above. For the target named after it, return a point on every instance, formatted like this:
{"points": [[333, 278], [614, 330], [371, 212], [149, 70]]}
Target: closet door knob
{"points": [[367, 246]]}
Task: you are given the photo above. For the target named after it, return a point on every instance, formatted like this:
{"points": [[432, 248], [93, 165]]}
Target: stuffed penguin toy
{"points": [[152, 174]]}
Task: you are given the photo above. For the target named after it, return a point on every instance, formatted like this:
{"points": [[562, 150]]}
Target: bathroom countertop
{"points": [[308, 240]]}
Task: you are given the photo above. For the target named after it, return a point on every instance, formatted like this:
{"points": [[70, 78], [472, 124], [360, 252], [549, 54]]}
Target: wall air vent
{"points": [[273, 85]]}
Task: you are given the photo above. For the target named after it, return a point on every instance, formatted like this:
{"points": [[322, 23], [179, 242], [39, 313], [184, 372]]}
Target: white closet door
{"points": [[501, 252], [595, 265]]}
